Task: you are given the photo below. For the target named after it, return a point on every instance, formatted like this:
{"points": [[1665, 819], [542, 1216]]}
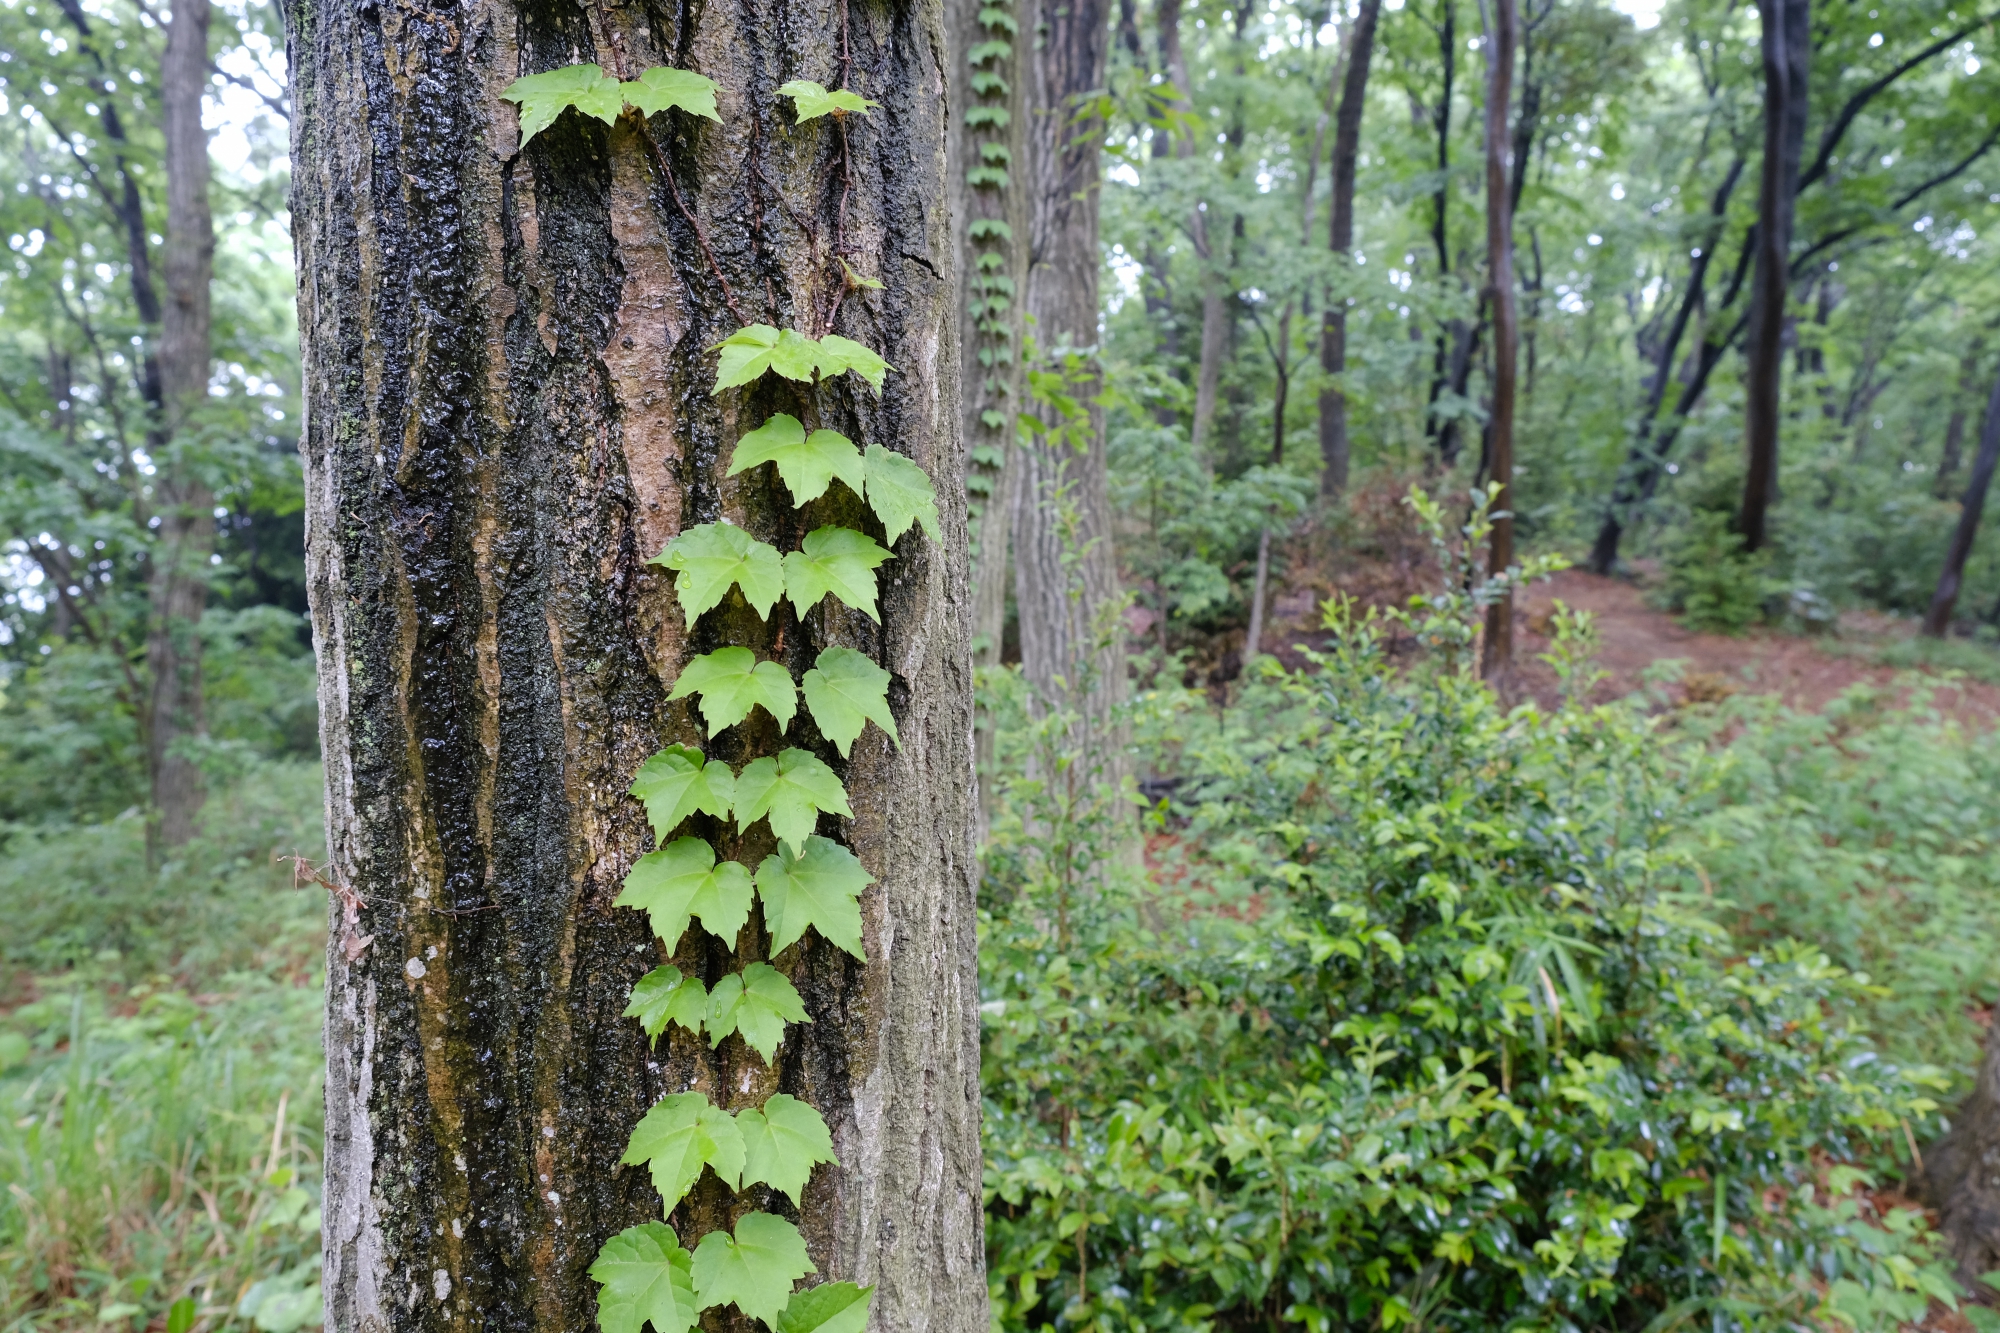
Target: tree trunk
{"points": [[1066, 580], [1335, 450], [508, 364], [1953, 453], [1938, 619], [1642, 464], [1253, 642], [987, 189], [1502, 38], [1787, 49], [185, 507], [1959, 1179]]}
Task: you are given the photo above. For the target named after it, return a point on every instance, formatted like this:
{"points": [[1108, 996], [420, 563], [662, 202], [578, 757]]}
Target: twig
{"points": [[617, 45]]}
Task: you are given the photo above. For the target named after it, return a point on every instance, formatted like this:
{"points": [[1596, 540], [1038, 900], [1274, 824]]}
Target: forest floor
{"points": [[1642, 646]]}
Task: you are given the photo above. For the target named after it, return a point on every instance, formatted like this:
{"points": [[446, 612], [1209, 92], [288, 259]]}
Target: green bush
{"points": [[1710, 580], [1416, 1020]]}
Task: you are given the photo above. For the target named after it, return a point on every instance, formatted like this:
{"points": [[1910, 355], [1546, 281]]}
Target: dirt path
{"points": [[1805, 672]]}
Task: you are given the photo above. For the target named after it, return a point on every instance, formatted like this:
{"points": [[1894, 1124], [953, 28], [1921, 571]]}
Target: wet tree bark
{"points": [[1334, 448], [1065, 573], [185, 507], [1938, 618], [508, 412]]}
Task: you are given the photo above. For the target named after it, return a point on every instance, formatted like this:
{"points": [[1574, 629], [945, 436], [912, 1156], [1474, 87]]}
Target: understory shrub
{"points": [[1417, 1015]]}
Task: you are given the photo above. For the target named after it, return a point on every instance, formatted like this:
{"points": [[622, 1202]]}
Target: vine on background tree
{"points": [[990, 306], [810, 883]]}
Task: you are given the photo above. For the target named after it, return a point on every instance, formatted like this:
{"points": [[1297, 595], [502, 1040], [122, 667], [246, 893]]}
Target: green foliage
{"points": [[679, 781], [758, 1002], [680, 1136], [588, 89], [901, 493], [543, 97], [731, 681], [664, 996], [833, 560], [647, 1278], [807, 463], [812, 101], [846, 691], [750, 351], [817, 889], [831, 1307], [792, 788], [683, 880], [709, 557], [782, 1143], [1711, 581], [1422, 1015]]}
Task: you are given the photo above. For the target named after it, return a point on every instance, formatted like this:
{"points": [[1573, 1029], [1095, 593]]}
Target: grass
{"points": [[160, 1073]]}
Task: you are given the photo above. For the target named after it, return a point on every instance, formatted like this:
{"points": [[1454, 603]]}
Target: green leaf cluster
{"points": [[812, 100], [756, 348], [588, 89], [711, 557]]}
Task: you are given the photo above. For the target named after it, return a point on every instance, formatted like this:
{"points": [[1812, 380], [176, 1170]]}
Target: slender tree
{"points": [[1502, 37], [1334, 448], [1066, 578], [509, 371], [1787, 54], [1938, 618]]}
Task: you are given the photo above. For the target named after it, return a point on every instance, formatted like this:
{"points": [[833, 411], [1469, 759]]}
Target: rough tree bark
{"points": [[1335, 449], [1787, 53], [1938, 618], [990, 365], [1214, 307], [1064, 568], [1502, 37], [185, 508], [508, 401], [1961, 1176]]}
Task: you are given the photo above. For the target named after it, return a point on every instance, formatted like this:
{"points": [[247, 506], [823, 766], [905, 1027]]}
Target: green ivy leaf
{"points": [[646, 1278], [542, 97], [840, 561], [661, 87], [845, 691], [857, 280], [679, 1136], [681, 881], [746, 355], [709, 557], [792, 789], [731, 681], [900, 493], [675, 783], [817, 889], [831, 1307], [757, 1002], [838, 354], [755, 1269], [813, 101], [664, 996], [782, 1143], [806, 462]]}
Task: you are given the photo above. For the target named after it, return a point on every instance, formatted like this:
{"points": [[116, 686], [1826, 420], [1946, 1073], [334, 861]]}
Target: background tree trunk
{"points": [[1502, 38], [990, 310], [1787, 48], [1959, 1180], [1938, 619], [186, 509], [1334, 447], [1066, 576], [509, 411]]}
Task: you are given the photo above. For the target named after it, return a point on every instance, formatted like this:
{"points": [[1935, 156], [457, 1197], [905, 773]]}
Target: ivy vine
{"points": [[810, 883], [992, 294]]}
